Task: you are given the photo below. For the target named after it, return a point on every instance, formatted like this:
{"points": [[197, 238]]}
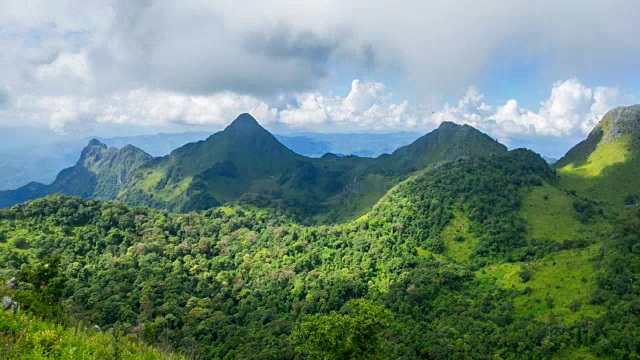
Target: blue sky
{"points": [[537, 74]]}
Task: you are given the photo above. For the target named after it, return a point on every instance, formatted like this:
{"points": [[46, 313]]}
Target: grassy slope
{"points": [[459, 243], [606, 166], [550, 216], [609, 174], [25, 337], [559, 279]]}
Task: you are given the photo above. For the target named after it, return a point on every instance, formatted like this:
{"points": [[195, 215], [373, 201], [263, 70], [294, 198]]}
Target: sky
{"points": [[538, 73]]}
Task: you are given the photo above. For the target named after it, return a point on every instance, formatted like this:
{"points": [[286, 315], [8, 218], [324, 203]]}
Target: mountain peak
{"points": [[620, 121], [448, 125], [95, 142], [244, 122], [93, 147]]}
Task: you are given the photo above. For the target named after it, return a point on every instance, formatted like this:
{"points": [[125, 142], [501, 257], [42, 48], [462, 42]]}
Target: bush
{"points": [[525, 275]]}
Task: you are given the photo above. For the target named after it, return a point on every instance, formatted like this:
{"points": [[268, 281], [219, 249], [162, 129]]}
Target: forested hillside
{"points": [[245, 163], [481, 257]]}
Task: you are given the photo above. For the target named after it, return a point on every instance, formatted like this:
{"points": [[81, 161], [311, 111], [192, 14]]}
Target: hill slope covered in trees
{"points": [[482, 257]]}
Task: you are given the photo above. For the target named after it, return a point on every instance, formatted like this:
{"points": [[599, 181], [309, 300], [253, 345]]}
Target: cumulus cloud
{"points": [[367, 107], [571, 109]]}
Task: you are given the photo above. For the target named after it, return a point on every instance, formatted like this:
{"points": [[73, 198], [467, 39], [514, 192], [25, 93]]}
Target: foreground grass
{"points": [[25, 337]]}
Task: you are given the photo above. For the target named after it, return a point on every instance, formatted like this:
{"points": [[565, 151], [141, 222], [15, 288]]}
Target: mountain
{"points": [[477, 258], [358, 144], [41, 158], [606, 165], [448, 142], [100, 173], [245, 162]]}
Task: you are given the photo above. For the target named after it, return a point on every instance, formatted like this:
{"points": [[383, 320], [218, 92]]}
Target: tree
{"points": [[48, 284], [354, 333]]}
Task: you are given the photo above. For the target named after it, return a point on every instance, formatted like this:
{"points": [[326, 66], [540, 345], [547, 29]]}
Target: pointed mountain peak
{"points": [[244, 122], [448, 125], [94, 147]]}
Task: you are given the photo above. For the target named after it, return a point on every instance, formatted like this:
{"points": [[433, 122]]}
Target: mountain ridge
{"points": [[606, 165], [99, 173], [245, 162]]}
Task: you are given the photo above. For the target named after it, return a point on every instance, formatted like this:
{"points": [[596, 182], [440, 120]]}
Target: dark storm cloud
{"points": [[282, 42]]}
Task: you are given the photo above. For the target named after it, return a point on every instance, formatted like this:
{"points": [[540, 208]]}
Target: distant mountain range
{"points": [[21, 164], [246, 163]]}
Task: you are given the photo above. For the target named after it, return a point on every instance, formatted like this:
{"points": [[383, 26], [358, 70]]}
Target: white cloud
{"points": [[367, 107], [571, 109], [274, 46], [137, 107]]}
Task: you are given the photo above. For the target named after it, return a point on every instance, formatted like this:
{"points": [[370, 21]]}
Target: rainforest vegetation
{"points": [[459, 261]]}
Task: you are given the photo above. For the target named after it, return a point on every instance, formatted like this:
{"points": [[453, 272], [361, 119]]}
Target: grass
{"points": [[459, 244], [550, 216], [22, 336], [427, 253], [558, 281], [605, 155], [575, 354], [609, 174]]}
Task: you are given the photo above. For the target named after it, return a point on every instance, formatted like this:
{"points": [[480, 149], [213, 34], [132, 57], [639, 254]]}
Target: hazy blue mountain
{"points": [[100, 173], [359, 144]]}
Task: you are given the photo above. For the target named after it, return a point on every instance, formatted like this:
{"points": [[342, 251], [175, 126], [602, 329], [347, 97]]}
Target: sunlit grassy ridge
{"points": [[606, 166]]}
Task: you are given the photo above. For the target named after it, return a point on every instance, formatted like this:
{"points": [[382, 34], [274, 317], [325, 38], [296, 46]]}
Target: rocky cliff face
{"points": [[619, 122]]}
